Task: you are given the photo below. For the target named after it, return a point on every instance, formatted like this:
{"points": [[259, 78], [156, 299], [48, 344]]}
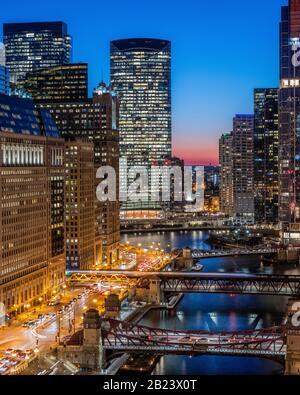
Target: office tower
{"points": [[266, 155], [96, 119], [141, 77], [32, 257], [226, 173], [107, 153], [37, 45], [243, 188], [67, 82], [79, 207], [289, 112]]}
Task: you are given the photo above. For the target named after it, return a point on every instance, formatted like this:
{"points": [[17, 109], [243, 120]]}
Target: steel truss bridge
{"points": [[232, 252], [186, 282], [124, 336]]}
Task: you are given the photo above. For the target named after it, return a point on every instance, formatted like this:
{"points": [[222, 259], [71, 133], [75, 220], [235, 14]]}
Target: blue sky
{"points": [[221, 51]]}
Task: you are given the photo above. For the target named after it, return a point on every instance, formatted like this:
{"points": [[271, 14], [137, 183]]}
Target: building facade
{"points": [[4, 72], [289, 116], [96, 120], [67, 82], [4, 80], [243, 168], [226, 174], [266, 155], [141, 76], [79, 208], [212, 189], [36, 45], [32, 258]]}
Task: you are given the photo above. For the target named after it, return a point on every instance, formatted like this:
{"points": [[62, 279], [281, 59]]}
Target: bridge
{"points": [[186, 282], [124, 336], [232, 252]]}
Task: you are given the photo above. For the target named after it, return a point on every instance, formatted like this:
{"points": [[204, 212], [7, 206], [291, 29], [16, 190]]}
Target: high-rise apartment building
{"points": [[32, 257], [96, 119], [226, 176], [243, 172], [35, 45], [80, 204], [67, 82], [141, 77], [289, 115], [266, 155]]}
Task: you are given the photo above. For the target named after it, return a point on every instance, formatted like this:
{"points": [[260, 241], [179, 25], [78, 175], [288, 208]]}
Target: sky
{"points": [[221, 51]]}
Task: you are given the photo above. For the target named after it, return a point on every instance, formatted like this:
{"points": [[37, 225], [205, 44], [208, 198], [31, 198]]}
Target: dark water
{"points": [[216, 312]]}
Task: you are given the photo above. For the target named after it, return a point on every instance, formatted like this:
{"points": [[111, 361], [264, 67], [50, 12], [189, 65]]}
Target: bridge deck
{"points": [[190, 275]]}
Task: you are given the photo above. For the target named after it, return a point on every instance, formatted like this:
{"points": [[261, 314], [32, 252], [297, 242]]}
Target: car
{"points": [[53, 303]]}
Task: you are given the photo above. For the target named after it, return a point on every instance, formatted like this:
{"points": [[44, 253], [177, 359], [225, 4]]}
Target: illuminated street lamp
{"points": [[64, 288]]}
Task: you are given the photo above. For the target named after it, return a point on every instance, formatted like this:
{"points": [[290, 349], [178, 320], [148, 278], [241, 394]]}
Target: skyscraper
{"points": [[96, 120], [141, 77], [37, 45], [289, 124], [289, 115], [80, 205], [266, 155], [32, 257], [67, 82], [226, 176], [243, 188]]}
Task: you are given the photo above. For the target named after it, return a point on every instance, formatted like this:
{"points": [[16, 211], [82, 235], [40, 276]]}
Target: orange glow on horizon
{"points": [[197, 153]]}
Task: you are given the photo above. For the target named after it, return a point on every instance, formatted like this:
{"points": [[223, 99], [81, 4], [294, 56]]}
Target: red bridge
{"points": [[124, 336]]}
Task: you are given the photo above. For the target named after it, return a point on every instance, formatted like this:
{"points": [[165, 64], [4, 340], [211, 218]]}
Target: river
{"points": [[216, 312]]}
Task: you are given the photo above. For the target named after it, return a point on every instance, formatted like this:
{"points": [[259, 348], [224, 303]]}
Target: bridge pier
{"points": [[150, 292], [93, 353]]}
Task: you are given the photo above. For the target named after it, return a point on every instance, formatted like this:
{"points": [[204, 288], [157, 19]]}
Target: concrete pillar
{"points": [[93, 350], [155, 294]]}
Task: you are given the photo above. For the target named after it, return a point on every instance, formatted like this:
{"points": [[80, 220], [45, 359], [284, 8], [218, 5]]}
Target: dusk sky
{"points": [[221, 51]]}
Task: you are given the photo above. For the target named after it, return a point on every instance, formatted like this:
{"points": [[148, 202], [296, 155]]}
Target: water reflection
{"points": [[217, 312]]}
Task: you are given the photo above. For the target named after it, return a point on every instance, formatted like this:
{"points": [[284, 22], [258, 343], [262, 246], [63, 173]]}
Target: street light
{"points": [[64, 288]]}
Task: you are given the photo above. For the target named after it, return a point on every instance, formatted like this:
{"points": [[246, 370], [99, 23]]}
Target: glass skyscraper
{"points": [[266, 155], [141, 77], [242, 145], [68, 82], [289, 115], [37, 45]]}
